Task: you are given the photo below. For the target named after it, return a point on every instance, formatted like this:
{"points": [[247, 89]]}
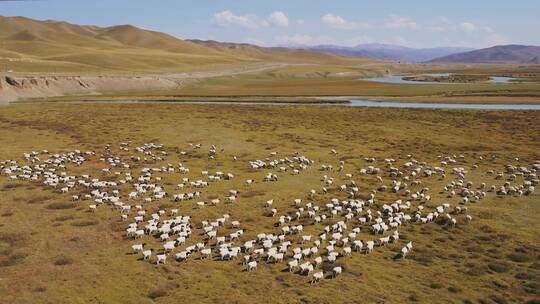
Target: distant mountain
{"points": [[387, 51], [522, 54]]}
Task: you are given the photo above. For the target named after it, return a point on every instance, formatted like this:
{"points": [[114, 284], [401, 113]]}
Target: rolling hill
{"points": [[387, 51], [47, 46], [517, 54]]}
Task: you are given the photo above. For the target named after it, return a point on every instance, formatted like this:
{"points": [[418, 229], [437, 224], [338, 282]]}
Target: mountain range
{"points": [[39, 46], [36, 45], [516, 54], [387, 51], [501, 54]]}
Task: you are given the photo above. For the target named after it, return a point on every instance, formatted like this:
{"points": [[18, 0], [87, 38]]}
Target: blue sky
{"points": [[415, 23]]}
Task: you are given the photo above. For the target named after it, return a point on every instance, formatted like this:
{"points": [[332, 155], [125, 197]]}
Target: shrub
{"points": [[7, 213], [498, 299], [436, 285], [158, 293], [524, 276], [499, 267], [39, 199], [63, 261], [13, 259], [13, 239], [84, 223], [476, 271], [519, 257], [60, 205], [454, 289], [40, 289], [63, 218]]}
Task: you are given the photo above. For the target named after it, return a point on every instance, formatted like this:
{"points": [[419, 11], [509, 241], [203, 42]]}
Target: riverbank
{"points": [[466, 99], [304, 99]]}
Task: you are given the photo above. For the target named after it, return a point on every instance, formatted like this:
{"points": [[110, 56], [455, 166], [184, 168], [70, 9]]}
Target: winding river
{"points": [[363, 103]]}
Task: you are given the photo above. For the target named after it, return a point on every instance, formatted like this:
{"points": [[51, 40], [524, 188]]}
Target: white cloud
{"points": [[228, 18], [468, 27], [250, 21], [338, 22], [354, 41], [308, 40], [435, 29], [397, 40], [254, 41], [303, 39], [444, 20], [300, 21], [278, 18], [295, 39], [495, 39], [400, 22]]}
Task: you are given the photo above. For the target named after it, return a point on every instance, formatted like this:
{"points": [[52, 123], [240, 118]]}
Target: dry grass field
{"points": [[53, 250]]}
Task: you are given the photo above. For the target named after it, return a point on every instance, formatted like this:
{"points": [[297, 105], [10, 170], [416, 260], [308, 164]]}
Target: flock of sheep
{"points": [[317, 228]]}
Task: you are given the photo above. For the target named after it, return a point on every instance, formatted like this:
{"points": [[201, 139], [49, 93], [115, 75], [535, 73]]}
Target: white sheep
{"points": [[252, 266], [337, 271], [317, 277], [161, 258]]}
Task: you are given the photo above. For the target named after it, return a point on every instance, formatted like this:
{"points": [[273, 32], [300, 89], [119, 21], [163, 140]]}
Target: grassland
{"points": [[54, 251], [296, 81], [311, 82]]}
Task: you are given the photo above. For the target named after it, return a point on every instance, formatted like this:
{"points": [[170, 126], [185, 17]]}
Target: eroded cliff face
{"points": [[13, 88]]}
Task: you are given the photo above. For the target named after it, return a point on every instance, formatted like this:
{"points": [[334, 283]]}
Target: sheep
{"points": [[332, 258], [147, 254], [181, 256], [161, 258], [404, 252], [317, 277], [336, 271], [138, 247], [252, 266], [292, 265], [306, 268], [139, 234], [369, 246], [169, 246], [357, 245], [207, 252]]}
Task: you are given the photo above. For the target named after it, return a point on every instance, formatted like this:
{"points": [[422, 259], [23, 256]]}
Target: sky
{"points": [[413, 23]]}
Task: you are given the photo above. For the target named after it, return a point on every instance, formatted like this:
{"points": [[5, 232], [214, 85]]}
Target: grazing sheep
{"points": [[138, 248], [336, 271], [161, 258], [147, 254], [252, 266], [336, 223], [317, 277]]}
